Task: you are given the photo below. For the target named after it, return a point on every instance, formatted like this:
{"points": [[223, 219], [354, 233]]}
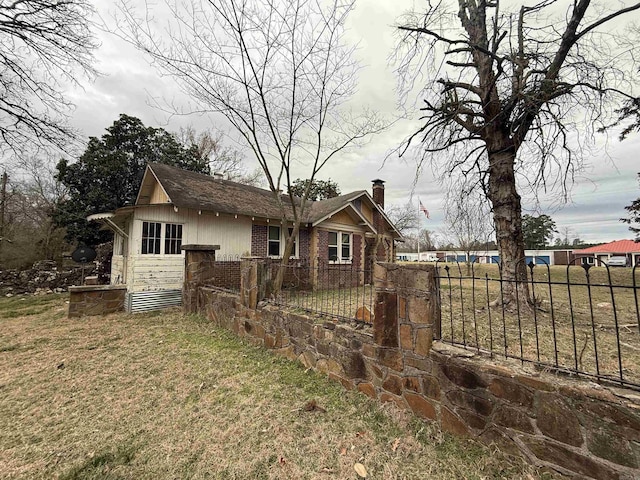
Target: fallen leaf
{"points": [[360, 470], [395, 445], [343, 451]]}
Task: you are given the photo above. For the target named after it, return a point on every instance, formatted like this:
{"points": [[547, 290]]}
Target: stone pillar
{"points": [[385, 319], [199, 262], [407, 313], [255, 281], [419, 310]]}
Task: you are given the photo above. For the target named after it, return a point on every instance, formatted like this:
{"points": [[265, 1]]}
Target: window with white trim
{"points": [[339, 246], [151, 232], [277, 241], [154, 237], [172, 238]]}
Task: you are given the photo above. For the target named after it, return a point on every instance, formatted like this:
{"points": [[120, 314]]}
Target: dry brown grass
{"points": [[163, 395]]}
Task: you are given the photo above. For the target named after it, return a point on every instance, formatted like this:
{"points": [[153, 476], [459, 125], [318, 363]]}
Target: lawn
{"points": [[163, 395]]}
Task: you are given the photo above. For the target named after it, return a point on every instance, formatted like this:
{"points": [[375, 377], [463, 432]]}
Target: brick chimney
{"points": [[378, 192]]}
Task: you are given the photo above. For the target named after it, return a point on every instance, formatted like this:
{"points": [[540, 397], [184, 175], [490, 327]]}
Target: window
{"points": [[277, 241], [273, 248], [152, 236], [172, 239], [339, 246]]}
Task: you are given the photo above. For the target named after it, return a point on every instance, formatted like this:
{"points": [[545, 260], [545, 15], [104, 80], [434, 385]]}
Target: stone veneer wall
{"points": [[574, 427], [96, 300]]}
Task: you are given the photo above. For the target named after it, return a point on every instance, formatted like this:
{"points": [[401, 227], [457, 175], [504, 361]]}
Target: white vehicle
{"points": [[617, 262]]}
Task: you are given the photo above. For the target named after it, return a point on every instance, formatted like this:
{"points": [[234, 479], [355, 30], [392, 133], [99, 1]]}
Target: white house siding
{"points": [[161, 272], [118, 270], [232, 234], [156, 272]]}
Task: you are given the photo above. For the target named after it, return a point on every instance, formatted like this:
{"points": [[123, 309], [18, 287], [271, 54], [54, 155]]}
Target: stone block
{"points": [[535, 383], [419, 363], [406, 337], [557, 454], [608, 444], [346, 383], [463, 377], [481, 406], [307, 359], [420, 406], [493, 436], [471, 419], [323, 348], [511, 391], [424, 340], [368, 389], [402, 307], [419, 310], [390, 357], [599, 411], [369, 350], [269, 341], [412, 383], [393, 384], [354, 366], [513, 418], [453, 424], [431, 387], [287, 352], [387, 397], [556, 419], [385, 321]]}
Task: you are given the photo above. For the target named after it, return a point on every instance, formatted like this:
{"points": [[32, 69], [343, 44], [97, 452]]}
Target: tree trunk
{"points": [[288, 250], [507, 215]]}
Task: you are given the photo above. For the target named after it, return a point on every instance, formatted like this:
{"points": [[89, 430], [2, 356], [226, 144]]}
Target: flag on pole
{"points": [[424, 210]]}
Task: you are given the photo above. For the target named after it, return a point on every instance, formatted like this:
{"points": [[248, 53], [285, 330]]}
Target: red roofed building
{"points": [[602, 254]]}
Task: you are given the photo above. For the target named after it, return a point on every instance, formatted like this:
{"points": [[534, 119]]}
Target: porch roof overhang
{"points": [[108, 219]]}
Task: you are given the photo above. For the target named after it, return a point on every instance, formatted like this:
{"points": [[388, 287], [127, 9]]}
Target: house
{"points": [[175, 207], [601, 255]]}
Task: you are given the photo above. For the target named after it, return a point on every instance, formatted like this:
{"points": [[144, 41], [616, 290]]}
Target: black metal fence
{"points": [[577, 319], [331, 289]]}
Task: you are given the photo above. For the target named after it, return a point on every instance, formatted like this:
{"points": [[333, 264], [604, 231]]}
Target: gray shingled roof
{"points": [[203, 192]]}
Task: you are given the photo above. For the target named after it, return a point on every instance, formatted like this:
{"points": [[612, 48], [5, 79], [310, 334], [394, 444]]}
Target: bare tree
{"points": [[279, 71], [509, 90], [28, 230], [43, 44], [467, 223], [404, 217], [224, 159]]}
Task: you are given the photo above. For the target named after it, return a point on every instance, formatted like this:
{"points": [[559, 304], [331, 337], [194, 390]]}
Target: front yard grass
{"points": [[163, 395]]}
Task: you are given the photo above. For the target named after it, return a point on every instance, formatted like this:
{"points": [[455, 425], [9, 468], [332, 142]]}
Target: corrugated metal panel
{"points": [[156, 300]]}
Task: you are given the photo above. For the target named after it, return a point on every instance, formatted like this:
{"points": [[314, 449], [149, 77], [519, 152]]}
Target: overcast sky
{"points": [[597, 199]]}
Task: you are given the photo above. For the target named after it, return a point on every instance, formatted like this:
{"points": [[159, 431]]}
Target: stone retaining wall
{"points": [[96, 300], [574, 427]]}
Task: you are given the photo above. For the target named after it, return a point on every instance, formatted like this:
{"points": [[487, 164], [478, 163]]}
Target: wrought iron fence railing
{"points": [[340, 291], [577, 318]]}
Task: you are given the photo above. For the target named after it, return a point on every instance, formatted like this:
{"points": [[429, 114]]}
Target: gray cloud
{"points": [[598, 198]]}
